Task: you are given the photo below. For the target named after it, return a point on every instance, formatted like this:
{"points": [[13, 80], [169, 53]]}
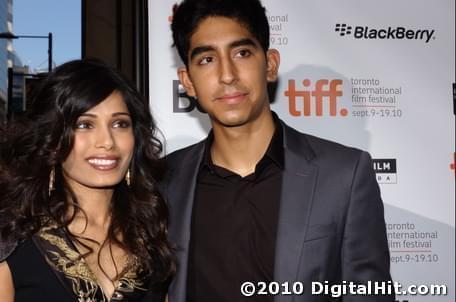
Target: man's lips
{"points": [[103, 163], [232, 98]]}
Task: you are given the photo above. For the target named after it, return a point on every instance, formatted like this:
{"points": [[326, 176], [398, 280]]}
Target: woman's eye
{"points": [[121, 124], [83, 125]]}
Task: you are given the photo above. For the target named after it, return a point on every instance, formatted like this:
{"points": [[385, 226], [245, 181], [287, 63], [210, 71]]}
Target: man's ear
{"points": [[185, 80], [273, 62]]}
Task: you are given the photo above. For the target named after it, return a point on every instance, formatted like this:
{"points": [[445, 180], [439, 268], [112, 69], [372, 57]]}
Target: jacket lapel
{"points": [[182, 184], [298, 184]]}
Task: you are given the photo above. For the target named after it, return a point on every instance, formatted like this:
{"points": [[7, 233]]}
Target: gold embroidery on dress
{"points": [[64, 259]]}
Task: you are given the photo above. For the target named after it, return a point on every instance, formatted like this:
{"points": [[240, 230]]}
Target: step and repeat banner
{"points": [[375, 75]]}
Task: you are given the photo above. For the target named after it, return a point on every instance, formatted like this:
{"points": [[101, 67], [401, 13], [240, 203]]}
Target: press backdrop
{"points": [[370, 74]]}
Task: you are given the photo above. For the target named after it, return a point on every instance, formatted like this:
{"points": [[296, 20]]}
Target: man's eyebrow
{"points": [[243, 42]]}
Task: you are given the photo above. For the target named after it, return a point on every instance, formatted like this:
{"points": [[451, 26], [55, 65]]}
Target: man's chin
{"points": [[231, 121]]}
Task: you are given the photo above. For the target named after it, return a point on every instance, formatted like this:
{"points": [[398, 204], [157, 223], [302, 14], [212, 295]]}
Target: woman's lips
{"points": [[103, 164]]}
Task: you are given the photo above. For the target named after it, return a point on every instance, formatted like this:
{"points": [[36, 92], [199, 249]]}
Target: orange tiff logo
{"points": [[324, 92]]}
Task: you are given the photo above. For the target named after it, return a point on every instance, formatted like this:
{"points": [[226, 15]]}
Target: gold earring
{"points": [[128, 177], [51, 181]]}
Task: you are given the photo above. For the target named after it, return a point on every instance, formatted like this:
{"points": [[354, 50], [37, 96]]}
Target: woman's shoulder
{"points": [[7, 247]]}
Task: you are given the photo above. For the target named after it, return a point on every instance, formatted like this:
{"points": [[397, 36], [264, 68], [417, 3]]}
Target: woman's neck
{"points": [[94, 208]]}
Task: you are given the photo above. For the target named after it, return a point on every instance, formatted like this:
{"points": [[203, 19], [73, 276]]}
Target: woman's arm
{"points": [[6, 283]]}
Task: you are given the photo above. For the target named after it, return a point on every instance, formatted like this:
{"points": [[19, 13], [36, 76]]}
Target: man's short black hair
{"points": [[188, 15]]}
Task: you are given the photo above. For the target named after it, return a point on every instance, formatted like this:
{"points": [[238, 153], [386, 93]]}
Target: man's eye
{"points": [[206, 60], [243, 53], [121, 124]]}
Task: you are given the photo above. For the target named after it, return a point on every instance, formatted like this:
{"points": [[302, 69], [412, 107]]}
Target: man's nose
{"points": [[228, 72]]}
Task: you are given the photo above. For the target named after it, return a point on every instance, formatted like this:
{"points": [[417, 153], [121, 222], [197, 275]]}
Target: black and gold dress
{"points": [[48, 267]]}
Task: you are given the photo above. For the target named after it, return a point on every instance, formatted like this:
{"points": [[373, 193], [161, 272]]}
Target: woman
{"points": [[80, 215]]}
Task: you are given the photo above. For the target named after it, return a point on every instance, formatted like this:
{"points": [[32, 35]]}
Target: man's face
{"points": [[228, 72]]}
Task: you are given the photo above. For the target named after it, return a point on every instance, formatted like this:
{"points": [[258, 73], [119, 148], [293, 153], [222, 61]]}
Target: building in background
{"points": [[6, 53], [116, 32]]}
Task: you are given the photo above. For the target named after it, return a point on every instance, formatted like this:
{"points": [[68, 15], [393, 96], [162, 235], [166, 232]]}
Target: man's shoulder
{"points": [[325, 145], [321, 148], [318, 144], [186, 158], [333, 159], [189, 152], [186, 151]]}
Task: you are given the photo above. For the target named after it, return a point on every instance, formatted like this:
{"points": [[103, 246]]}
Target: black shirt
{"points": [[47, 268], [234, 225]]}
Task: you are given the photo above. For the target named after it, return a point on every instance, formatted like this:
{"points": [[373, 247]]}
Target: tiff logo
{"points": [[343, 29], [324, 92]]}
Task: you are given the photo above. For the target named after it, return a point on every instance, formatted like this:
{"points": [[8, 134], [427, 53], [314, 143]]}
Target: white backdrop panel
{"points": [[391, 75]]}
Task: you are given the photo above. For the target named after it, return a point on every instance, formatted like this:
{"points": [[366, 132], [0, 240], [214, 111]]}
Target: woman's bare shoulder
{"points": [[6, 283]]}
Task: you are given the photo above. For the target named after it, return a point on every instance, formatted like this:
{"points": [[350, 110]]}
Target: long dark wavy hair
{"points": [[31, 147]]}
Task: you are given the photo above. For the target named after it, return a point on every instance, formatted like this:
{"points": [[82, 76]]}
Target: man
{"points": [[258, 201]]}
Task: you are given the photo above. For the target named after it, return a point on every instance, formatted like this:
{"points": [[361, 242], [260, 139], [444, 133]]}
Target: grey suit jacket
{"points": [[331, 225]]}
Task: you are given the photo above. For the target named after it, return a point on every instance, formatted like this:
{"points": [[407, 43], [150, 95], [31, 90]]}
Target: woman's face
{"points": [[103, 145]]}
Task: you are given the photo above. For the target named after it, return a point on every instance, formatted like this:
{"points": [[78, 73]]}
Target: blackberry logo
{"points": [[390, 33], [343, 29]]}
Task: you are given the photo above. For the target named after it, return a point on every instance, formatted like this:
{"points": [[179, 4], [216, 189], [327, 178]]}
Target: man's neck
{"points": [[239, 149]]}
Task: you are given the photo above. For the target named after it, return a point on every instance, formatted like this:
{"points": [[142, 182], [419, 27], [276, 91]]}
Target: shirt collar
{"points": [[274, 152]]}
